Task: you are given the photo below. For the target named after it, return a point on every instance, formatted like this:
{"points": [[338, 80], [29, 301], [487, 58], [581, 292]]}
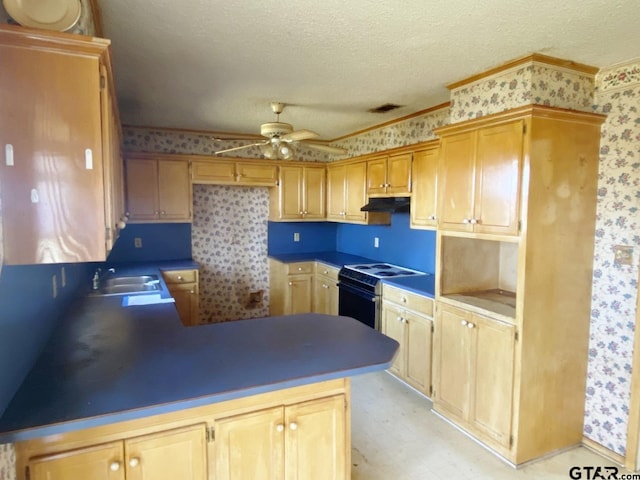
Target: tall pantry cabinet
{"points": [[517, 206]]}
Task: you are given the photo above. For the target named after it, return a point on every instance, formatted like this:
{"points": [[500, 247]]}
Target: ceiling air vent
{"points": [[387, 107]]}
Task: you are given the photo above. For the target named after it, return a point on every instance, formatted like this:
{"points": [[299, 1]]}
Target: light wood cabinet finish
{"points": [[407, 318], [300, 195], [158, 189], [291, 287], [184, 287], [424, 189], [168, 455], [325, 295], [234, 172], [389, 175], [51, 138]]}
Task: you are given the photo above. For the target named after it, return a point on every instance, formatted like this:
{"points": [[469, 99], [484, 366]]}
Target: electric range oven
{"points": [[360, 290]]}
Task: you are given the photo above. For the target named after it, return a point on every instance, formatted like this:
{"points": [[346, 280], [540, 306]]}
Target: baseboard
{"points": [[603, 451]]}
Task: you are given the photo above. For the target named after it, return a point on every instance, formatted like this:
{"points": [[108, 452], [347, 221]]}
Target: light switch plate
{"points": [[376, 242], [622, 255], [137, 242], [296, 237]]}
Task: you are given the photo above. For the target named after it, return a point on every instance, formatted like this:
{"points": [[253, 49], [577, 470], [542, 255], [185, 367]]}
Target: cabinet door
{"points": [[100, 462], [316, 440], [314, 192], [52, 184], [377, 176], [498, 160], [298, 294], [290, 193], [493, 378], [393, 326], [216, 173], [456, 181], [142, 189], [336, 190], [321, 295], [250, 446], [399, 174], [452, 361], [187, 301], [253, 173], [174, 190], [179, 453], [356, 191], [418, 352], [424, 189]]}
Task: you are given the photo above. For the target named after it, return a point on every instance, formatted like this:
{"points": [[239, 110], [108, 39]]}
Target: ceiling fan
{"points": [[280, 136]]}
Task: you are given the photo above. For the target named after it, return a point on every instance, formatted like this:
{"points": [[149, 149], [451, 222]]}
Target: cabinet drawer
{"points": [[412, 301], [180, 276], [327, 271], [299, 268]]}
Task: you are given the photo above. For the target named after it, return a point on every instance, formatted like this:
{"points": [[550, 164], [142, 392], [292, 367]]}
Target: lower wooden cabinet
{"points": [[179, 453], [301, 441], [407, 318], [473, 372], [291, 287], [184, 288], [325, 293]]}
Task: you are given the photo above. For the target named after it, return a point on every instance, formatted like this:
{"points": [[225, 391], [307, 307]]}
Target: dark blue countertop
{"points": [[420, 284], [108, 363]]}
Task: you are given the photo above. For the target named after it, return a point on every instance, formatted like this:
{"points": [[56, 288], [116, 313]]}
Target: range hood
{"points": [[387, 204]]}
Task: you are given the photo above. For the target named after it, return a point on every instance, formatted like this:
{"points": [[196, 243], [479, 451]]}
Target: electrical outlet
{"points": [[137, 242], [296, 237], [63, 277], [376, 242], [622, 255], [54, 284]]}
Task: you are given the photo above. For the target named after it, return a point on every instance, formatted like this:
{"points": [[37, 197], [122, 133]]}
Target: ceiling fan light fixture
{"points": [[268, 151], [285, 151]]}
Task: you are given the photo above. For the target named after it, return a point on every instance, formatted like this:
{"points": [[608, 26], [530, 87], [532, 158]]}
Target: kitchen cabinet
{"points": [[158, 189], [408, 319], [291, 287], [325, 295], [424, 175], [480, 177], [474, 371], [305, 440], [54, 189], [183, 286], [234, 172], [535, 166], [300, 195], [389, 175], [347, 193], [179, 453]]}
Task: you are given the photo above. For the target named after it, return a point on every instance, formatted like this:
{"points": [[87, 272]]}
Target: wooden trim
{"points": [[428, 145], [536, 57], [96, 15], [633, 425], [19, 36], [600, 450], [391, 122], [207, 133]]}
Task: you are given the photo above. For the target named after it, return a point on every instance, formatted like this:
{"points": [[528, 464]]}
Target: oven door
{"points": [[358, 303]]}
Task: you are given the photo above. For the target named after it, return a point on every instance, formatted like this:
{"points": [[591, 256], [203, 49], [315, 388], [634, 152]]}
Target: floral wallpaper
{"points": [[414, 130], [615, 287], [536, 83], [84, 26], [229, 241], [7, 462]]}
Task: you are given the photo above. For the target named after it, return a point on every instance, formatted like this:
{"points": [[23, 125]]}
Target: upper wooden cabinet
{"points": [[300, 195], [55, 195], [234, 172], [424, 193], [158, 189], [479, 178], [389, 175]]}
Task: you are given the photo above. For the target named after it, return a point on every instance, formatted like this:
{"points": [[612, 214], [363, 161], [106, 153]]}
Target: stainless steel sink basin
{"points": [[131, 284]]}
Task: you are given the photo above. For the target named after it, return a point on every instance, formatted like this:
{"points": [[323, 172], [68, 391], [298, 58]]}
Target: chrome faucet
{"points": [[96, 277]]}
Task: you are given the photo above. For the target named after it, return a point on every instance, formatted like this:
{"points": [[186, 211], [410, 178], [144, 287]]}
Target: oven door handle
{"points": [[361, 292]]}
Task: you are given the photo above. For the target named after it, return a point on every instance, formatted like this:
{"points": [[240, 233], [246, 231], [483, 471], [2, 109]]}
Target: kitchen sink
{"points": [[131, 284]]}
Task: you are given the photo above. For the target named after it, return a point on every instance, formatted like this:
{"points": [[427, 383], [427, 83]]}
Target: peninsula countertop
{"points": [[108, 363]]}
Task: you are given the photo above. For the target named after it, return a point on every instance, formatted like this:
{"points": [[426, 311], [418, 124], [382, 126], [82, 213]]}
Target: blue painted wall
{"points": [[314, 237], [160, 241], [29, 314]]}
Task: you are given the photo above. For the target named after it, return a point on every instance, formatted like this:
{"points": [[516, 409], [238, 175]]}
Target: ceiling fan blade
{"points": [[326, 148], [298, 135], [240, 148]]}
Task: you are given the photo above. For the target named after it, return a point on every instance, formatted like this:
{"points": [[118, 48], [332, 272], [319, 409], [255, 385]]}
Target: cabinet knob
{"points": [[114, 466], [306, 213], [382, 185], [325, 272], [279, 427], [162, 212], [463, 323], [134, 462], [432, 217], [399, 319], [301, 212], [290, 283], [324, 285], [180, 277], [473, 221], [387, 184], [299, 269], [404, 299], [121, 225], [293, 426], [470, 325], [465, 220], [191, 292]]}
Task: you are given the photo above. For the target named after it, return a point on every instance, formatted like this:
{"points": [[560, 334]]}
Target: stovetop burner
{"points": [[382, 270]]}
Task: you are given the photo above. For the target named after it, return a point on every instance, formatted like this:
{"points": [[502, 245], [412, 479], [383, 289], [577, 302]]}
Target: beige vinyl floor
{"points": [[395, 436]]}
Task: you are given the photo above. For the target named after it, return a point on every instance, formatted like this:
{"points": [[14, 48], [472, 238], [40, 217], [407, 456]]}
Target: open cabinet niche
{"points": [[481, 274]]}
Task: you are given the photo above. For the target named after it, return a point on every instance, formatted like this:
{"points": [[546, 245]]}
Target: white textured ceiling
{"points": [[215, 65]]}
